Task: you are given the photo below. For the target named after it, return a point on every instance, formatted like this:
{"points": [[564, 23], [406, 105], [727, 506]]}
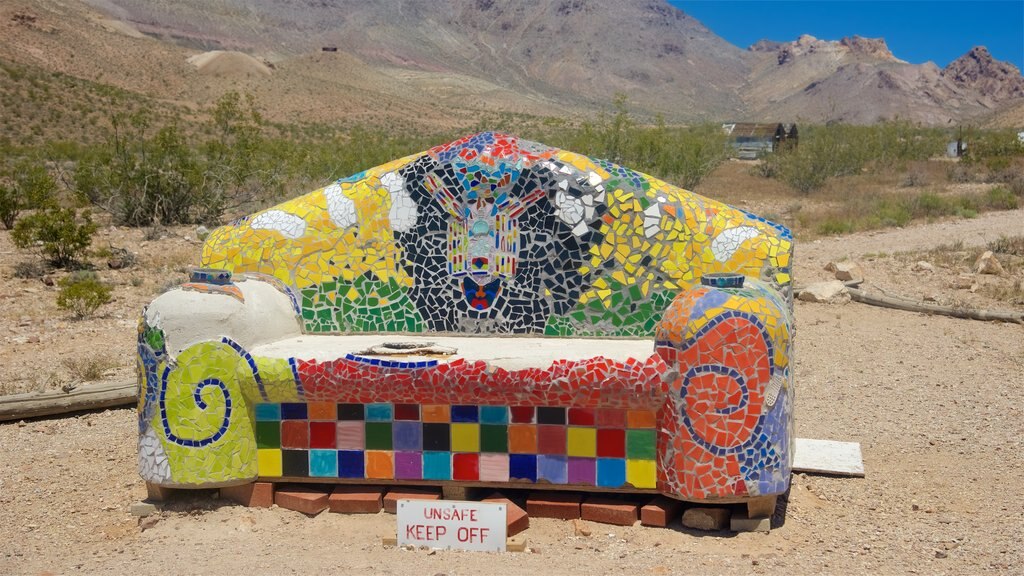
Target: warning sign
{"points": [[452, 524]]}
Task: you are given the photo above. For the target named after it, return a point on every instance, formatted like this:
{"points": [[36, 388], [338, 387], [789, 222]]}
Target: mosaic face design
{"points": [[499, 235], [493, 235]]}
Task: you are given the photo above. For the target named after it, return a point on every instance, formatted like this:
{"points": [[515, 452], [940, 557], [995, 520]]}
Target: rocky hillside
{"points": [[447, 62]]}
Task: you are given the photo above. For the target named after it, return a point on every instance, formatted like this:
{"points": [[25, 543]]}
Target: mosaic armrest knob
{"points": [[729, 340]]}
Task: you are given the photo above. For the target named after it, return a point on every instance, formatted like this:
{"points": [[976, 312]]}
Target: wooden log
{"points": [[89, 397], [900, 303]]}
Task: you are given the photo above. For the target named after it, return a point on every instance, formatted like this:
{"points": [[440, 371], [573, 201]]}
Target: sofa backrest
{"points": [[493, 234]]}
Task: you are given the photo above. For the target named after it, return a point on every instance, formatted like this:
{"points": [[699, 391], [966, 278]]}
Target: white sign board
{"points": [[452, 524]]}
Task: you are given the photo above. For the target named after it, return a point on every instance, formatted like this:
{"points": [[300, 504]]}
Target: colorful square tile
{"points": [[350, 412], [351, 464], [523, 414], [522, 438], [551, 439], [611, 418], [611, 443], [268, 434], [407, 411], [494, 467], [581, 417], [642, 473], [380, 412], [522, 467], [379, 436], [582, 471], [295, 463], [268, 462], [268, 412], [641, 419], [640, 444], [611, 472], [408, 436], [351, 435], [554, 469], [293, 411], [408, 465], [465, 414], [295, 434], [380, 464], [582, 442], [465, 437], [493, 438], [550, 415], [323, 434], [439, 413], [323, 463], [437, 437], [494, 414], [466, 467], [437, 465], [322, 411]]}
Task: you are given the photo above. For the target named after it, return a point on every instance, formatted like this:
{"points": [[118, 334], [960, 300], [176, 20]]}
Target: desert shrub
{"points": [[30, 270], [1013, 245], [82, 293], [89, 369], [144, 176], [837, 150], [57, 233], [1000, 198], [26, 185], [913, 179]]}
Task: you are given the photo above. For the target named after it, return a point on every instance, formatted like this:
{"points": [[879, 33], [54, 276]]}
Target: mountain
{"points": [[859, 80], [447, 63]]}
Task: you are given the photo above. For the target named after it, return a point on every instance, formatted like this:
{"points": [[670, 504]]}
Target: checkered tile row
{"points": [[609, 448], [474, 467]]}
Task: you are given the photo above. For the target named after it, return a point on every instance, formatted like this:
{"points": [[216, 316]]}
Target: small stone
{"points": [[987, 264], [579, 528], [148, 522], [706, 518], [144, 508], [962, 282], [922, 266], [831, 292], [846, 271]]}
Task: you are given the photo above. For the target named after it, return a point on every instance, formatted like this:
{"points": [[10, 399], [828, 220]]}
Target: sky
{"points": [[916, 31]]}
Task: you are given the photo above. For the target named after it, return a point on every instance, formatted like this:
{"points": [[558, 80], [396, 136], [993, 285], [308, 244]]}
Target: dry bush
{"points": [[89, 369]]}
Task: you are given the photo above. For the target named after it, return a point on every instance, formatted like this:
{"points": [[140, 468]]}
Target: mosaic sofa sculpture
{"points": [[491, 311]]}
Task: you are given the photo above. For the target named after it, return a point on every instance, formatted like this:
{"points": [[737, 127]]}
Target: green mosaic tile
{"points": [[640, 444], [378, 435], [493, 438], [268, 434]]}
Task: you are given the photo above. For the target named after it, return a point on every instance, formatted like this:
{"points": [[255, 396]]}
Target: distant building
{"points": [[752, 140]]}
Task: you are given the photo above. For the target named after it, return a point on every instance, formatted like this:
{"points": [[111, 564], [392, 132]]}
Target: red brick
{"points": [[608, 511], [403, 493], [516, 519], [562, 505], [660, 511], [253, 494], [302, 499], [356, 500]]}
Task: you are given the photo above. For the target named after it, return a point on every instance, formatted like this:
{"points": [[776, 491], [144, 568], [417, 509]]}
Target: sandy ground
{"points": [[934, 402]]}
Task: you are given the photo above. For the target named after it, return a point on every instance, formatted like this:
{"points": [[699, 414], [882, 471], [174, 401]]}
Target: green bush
{"points": [[999, 198], [82, 293], [25, 186], [57, 233]]}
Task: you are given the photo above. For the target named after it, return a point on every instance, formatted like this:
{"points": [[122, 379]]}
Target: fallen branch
{"points": [[901, 303], [91, 397]]}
